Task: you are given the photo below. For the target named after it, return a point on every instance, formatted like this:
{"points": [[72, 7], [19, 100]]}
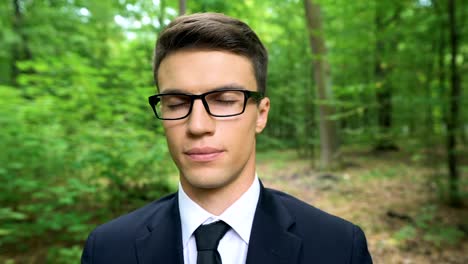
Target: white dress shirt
{"points": [[233, 246]]}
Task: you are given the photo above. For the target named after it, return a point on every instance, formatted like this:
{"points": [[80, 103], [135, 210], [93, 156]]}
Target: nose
{"points": [[199, 121]]}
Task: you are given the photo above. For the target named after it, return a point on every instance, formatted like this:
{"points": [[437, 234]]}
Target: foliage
{"points": [[80, 142], [82, 145], [64, 255], [429, 228], [442, 186], [57, 177]]}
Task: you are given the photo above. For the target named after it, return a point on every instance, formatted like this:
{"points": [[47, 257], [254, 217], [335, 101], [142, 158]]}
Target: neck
{"points": [[217, 200]]}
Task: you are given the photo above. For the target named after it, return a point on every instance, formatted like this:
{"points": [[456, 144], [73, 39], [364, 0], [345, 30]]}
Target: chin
{"points": [[208, 181]]}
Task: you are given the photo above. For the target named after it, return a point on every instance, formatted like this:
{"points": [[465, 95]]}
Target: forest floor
{"points": [[394, 197]]}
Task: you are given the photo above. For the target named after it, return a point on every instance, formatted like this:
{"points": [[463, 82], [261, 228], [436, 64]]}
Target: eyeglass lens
{"points": [[220, 103]]}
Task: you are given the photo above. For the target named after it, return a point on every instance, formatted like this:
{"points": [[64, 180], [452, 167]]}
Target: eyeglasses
{"points": [[218, 103]]}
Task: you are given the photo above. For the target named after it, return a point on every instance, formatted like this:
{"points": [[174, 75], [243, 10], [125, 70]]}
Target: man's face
{"points": [[212, 152]]}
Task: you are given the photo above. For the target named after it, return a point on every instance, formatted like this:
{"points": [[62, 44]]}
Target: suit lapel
{"points": [[270, 240], [163, 241]]}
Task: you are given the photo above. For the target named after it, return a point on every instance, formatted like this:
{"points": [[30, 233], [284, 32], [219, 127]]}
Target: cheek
{"points": [[239, 133], [173, 138]]}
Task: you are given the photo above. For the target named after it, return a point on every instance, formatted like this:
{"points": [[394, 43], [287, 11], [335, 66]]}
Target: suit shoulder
{"points": [[306, 213], [114, 241], [133, 221], [325, 238]]}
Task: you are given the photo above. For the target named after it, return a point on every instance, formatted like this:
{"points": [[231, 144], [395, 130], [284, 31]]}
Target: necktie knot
{"points": [[208, 236]]}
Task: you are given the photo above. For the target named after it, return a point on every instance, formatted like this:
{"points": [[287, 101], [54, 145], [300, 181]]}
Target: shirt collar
{"points": [[239, 215]]}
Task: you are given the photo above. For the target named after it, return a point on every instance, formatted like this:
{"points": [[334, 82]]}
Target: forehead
{"points": [[198, 71]]}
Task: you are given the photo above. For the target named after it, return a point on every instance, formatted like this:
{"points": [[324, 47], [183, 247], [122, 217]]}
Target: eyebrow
{"points": [[220, 88]]}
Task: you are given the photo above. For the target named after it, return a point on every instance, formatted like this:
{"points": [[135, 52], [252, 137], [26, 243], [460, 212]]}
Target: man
{"points": [[210, 70]]}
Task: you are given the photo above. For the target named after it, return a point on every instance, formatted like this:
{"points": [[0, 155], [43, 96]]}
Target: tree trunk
{"points": [[16, 53], [6, 63], [441, 74], [453, 114], [328, 135], [383, 86], [182, 7], [162, 13], [20, 51]]}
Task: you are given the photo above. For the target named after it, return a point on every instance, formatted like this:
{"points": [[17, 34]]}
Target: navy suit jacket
{"points": [[285, 230]]}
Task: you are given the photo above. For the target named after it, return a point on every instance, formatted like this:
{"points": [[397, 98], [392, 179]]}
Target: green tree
{"points": [[328, 134]]}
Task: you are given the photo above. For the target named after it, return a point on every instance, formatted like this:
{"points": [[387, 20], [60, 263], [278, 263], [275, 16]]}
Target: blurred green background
{"points": [[80, 144]]}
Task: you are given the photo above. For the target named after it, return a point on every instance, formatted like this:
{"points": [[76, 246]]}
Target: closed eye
{"points": [[175, 106], [226, 102]]}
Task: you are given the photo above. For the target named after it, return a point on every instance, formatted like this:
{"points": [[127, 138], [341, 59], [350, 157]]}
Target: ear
{"points": [[262, 114]]}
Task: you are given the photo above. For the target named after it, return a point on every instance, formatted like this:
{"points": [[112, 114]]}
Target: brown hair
{"points": [[212, 31]]}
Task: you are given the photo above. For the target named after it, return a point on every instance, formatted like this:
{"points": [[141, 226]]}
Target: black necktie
{"points": [[208, 237]]}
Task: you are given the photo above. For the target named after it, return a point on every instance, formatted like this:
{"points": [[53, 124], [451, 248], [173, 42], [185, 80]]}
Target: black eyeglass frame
{"points": [[154, 99]]}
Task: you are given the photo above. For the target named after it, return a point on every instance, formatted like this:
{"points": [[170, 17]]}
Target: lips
{"points": [[204, 154]]}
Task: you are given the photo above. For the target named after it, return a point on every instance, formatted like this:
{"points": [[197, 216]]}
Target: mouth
{"points": [[204, 154]]}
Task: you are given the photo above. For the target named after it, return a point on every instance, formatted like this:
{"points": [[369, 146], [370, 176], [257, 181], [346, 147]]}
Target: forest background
{"points": [[81, 145]]}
